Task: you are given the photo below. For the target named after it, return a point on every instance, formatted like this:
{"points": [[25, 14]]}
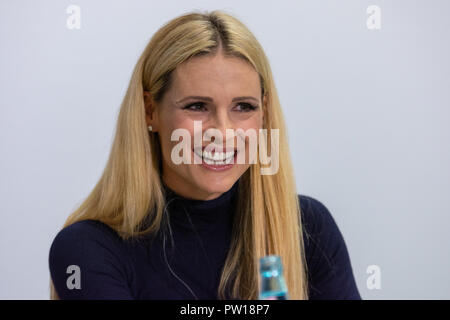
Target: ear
{"points": [[150, 113]]}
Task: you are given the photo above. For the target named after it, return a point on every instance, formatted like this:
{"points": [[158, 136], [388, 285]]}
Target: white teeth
{"points": [[229, 159], [216, 158]]}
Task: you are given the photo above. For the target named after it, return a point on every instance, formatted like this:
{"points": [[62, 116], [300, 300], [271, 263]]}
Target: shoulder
{"points": [[316, 218], [96, 250], [79, 234], [86, 238], [328, 262], [86, 229], [321, 234]]}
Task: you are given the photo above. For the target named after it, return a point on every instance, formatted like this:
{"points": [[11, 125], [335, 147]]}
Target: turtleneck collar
{"points": [[206, 215], [193, 205]]}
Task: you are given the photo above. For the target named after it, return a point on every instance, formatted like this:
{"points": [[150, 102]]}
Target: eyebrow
{"points": [[209, 99]]}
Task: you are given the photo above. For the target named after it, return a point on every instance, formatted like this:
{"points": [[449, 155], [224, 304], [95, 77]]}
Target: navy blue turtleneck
{"points": [[185, 259]]}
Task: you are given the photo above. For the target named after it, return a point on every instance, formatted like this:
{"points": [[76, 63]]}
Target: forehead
{"points": [[217, 76]]}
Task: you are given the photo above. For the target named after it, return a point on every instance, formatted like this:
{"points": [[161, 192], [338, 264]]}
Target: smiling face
{"points": [[220, 80]]}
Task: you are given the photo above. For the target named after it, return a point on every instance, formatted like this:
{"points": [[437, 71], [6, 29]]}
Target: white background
{"points": [[367, 111]]}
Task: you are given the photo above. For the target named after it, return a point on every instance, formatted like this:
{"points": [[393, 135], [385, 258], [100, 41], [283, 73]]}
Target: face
{"points": [[220, 79]]}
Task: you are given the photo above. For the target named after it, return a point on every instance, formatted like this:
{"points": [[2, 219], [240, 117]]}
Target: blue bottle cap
{"points": [[270, 264]]}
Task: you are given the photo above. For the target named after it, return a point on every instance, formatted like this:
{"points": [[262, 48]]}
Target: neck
{"points": [[186, 190]]}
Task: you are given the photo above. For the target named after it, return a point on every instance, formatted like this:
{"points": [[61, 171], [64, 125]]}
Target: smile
{"points": [[216, 157]]}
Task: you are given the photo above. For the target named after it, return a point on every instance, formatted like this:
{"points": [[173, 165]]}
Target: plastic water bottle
{"points": [[273, 285]]}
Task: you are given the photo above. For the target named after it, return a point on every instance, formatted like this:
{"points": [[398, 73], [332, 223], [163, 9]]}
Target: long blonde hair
{"points": [[130, 189]]}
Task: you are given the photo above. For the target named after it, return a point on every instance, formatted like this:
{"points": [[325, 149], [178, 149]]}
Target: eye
{"points": [[200, 106], [247, 107], [196, 106]]}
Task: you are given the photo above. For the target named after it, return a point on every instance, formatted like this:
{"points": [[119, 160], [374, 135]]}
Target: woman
{"points": [[156, 228]]}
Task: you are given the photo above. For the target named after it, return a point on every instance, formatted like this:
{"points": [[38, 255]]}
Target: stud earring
{"points": [[150, 128]]}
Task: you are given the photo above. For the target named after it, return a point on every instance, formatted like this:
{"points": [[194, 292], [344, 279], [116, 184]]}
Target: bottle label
{"points": [[279, 297]]}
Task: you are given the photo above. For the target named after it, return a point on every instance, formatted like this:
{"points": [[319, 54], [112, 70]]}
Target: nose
{"points": [[221, 121]]}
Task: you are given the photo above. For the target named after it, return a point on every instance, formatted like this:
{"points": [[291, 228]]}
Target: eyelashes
{"points": [[246, 107]]}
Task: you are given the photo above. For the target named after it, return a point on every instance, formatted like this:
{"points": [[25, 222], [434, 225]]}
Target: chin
{"points": [[216, 185]]}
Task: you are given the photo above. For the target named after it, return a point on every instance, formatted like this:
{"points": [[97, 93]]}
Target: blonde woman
{"points": [[154, 228]]}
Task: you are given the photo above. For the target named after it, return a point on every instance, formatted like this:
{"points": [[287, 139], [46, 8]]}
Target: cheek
{"points": [[255, 123], [169, 124], [165, 133]]}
